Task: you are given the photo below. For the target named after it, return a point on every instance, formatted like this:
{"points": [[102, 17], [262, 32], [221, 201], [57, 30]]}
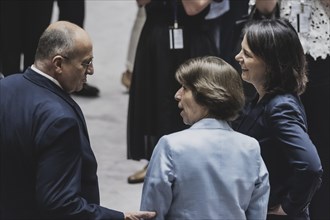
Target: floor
{"points": [[109, 24]]}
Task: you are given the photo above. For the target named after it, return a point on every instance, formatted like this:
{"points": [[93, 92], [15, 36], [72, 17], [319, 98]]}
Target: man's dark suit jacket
{"points": [[279, 123], [48, 169]]}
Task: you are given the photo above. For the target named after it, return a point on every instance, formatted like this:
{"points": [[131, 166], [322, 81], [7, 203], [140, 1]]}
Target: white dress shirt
{"points": [[46, 75]]}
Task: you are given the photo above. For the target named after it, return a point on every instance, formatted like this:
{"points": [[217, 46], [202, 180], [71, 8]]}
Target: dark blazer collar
{"points": [[211, 123], [252, 112], [42, 81]]}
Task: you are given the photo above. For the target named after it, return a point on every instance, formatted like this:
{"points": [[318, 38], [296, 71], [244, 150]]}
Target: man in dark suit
{"points": [[47, 166]]}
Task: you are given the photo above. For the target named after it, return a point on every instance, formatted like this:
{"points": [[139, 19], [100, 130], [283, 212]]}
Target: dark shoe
{"points": [[88, 91], [138, 177], [126, 79]]}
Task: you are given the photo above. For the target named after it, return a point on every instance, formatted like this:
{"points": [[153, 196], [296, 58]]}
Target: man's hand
{"points": [[138, 215]]}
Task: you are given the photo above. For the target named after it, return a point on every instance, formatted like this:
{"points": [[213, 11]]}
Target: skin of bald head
{"points": [[62, 50]]}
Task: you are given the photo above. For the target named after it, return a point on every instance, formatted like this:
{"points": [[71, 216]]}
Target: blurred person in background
{"points": [[174, 31], [140, 18], [21, 25]]}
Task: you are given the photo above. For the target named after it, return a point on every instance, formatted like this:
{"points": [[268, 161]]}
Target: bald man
{"points": [[47, 166]]}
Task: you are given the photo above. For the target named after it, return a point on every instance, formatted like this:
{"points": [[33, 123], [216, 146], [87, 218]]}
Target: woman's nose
{"points": [[238, 56], [177, 95]]}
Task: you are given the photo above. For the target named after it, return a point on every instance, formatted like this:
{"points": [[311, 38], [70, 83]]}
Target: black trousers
{"points": [[21, 24], [72, 10]]}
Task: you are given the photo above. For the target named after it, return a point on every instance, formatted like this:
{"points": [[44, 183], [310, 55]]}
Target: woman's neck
{"points": [[261, 92]]}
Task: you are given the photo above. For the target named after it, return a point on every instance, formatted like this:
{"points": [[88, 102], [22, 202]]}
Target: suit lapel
{"points": [[252, 114], [211, 123], [49, 85]]}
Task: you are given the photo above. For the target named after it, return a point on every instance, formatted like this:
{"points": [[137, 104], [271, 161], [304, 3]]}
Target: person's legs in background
{"points": [[11, 32], [139, 21], [135, 34], [72, 10], [37, 18], [22, 23]]}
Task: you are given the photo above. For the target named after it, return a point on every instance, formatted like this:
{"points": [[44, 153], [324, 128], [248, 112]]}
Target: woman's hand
{"points": [[195, 7], [276, 210]]}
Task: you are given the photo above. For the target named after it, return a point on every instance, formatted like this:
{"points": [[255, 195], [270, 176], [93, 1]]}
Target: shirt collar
{"points": [[211, 123], [46, 75]]}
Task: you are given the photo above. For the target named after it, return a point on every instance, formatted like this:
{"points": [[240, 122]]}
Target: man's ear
{"points": [[57, 62]]}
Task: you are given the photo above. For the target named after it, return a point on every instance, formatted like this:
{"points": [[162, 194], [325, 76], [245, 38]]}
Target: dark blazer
{"points": [[279, 123], [48, 169]]}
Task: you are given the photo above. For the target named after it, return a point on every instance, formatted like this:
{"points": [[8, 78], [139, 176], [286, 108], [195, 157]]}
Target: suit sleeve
{"points": [[58, 180], [157, 191], [287, 120], [259, 200]]}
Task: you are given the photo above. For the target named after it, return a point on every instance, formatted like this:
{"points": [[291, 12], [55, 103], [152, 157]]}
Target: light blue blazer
{"points": [[207, 171]]}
